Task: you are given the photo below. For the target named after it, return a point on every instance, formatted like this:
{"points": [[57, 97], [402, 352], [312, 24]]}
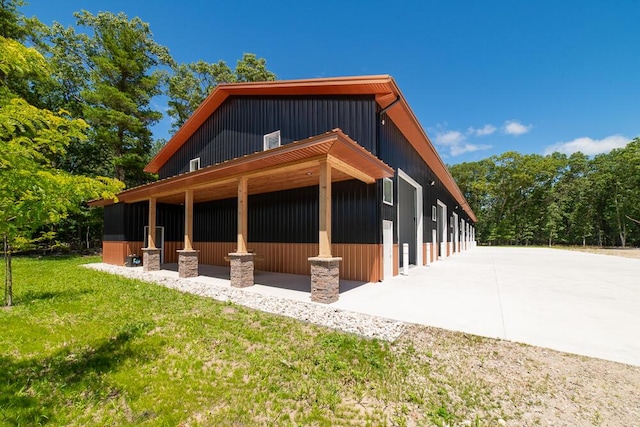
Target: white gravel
{"points": [[361, 324]]}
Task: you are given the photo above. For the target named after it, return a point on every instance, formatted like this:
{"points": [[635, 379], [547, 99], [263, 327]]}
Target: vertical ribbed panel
{"points": [[114, 220], [424, 253], [171, 251], [359, 262], [396, 260], [171, 217], [213, 253], [284, 257], [115, 253], [238, 126], [136, 218]]}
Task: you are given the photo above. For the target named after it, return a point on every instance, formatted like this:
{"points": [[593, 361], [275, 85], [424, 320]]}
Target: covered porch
{"points": [[321, 161]]}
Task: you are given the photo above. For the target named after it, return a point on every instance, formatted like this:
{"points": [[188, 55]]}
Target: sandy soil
{"points": [[627, 252], [519, 385]]}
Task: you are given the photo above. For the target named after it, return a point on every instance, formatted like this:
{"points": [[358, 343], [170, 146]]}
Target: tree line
{"points": [[76, 114], [529, 199]]}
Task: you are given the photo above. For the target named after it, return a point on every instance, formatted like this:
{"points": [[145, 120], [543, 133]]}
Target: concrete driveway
{"points": [[571, 301]]}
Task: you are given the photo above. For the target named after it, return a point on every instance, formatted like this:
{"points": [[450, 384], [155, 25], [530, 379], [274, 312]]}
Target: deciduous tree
{"points": [[33, 192]]}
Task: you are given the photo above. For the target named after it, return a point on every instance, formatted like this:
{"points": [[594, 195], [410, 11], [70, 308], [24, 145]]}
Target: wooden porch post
{"points": [[151, 242], [325, 210], [325, 269], [242, 215], [151, 254], [241, 260], [188, 220], [187, 257]]}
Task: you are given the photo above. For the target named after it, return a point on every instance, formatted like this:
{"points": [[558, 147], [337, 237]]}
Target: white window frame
{"points": [[434, 213], [387, 183], [194, 164], [270, 138]]}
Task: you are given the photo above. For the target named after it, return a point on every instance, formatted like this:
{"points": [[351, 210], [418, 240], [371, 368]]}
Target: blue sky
{"points": [[483, 77]]}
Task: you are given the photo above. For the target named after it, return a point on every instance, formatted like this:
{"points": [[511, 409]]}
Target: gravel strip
{"points": [[361, 324]]}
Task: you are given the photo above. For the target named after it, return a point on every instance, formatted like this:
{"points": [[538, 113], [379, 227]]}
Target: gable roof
{"points": [[383, 87]]}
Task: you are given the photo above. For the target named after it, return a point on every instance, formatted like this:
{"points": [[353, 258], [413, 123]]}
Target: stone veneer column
{"points": [[325, 279], [188, 263], [150, 259], [241, 269]]}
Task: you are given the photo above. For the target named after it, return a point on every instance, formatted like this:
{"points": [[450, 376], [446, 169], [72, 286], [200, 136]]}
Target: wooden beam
{"points": [[350, 170], [293, 166], [188, 220], [325, 210], [242, 215], [151, 244]]}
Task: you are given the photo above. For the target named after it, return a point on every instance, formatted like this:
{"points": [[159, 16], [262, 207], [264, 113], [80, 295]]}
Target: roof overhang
{"points": [[290, 166], [382, 87]]}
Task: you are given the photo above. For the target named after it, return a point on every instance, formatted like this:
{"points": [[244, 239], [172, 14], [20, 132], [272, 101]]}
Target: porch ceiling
{"points": [[290, 166]]}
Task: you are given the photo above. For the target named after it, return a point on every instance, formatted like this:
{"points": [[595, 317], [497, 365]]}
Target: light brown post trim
{"points": [[325, 210], [242, 215], [188, 220], [152, 224]]}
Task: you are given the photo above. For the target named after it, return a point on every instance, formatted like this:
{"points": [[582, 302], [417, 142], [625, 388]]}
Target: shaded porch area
{"points": [[320, 161], [285, 285]]}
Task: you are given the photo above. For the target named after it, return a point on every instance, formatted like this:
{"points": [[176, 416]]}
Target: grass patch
{"points": [[82, 347]]}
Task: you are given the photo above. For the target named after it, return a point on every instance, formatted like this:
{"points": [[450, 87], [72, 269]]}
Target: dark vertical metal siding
{"points": [[114, 218], [285, 216], [215, 221], [238, 126], [291, 216], [407, 228], [171, 217], [136, 218], [396, 151], [355, 213]]}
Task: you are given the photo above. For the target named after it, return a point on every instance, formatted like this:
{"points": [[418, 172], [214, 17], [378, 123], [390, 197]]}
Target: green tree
{"points": [[190, 84], [11, 26], [33, 193], [616, 193], [111, 71]]}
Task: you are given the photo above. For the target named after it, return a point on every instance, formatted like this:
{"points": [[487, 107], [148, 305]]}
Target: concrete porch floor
{"points": [[292, 286]]}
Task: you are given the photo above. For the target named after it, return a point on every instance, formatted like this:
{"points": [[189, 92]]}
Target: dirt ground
{"points": [[522, 385], [626, 252], [519, 385]]}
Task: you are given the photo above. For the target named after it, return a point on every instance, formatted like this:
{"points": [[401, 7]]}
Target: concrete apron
{"points": [[564, 300]]}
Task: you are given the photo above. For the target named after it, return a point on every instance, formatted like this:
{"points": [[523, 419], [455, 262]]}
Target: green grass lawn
{"points": [[82, 347]]}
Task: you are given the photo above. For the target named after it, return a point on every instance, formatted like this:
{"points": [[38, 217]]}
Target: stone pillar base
{"points": [[150, 259], [188, 263], [325, 279], [241, 269]]}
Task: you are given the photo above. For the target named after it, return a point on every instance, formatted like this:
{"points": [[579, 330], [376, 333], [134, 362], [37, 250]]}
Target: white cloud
{"points": [[456, 143], [483, 131], [513, 127], [456, 150], [588, 145], [450, 138]]}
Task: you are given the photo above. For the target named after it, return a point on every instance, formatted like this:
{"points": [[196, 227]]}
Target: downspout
{"points": [[388, 107], [377, 154]]}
